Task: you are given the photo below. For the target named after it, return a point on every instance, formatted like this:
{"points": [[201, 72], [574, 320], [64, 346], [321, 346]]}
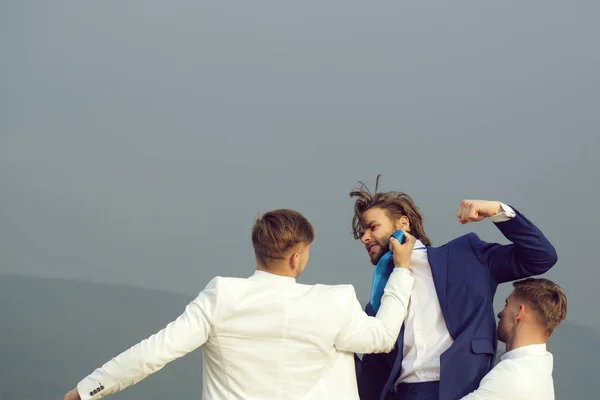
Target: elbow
{"points": [[543, 262], [388, 342], [388, 348], [551, 258]]}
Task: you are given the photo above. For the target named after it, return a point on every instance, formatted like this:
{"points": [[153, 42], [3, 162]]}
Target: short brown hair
{"points": [[277, 231], [545, 297], [395, 204]]}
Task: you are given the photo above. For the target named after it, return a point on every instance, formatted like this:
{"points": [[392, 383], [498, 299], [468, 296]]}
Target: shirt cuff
{"points": [[402, 271], [506, 214]]}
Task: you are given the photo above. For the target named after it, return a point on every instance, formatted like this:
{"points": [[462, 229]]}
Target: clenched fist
{"points": [[476, 210]]}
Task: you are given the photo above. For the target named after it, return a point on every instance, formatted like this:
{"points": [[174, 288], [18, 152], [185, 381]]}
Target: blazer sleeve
{"points": [[183, 335], [530, 253], [364, 334]]}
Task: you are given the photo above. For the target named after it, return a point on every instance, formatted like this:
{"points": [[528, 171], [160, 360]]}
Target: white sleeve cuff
{"points": [[506, 214], [402, 271]]}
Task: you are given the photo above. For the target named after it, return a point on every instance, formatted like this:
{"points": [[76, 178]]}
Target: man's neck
{"points": [[526, 339]]}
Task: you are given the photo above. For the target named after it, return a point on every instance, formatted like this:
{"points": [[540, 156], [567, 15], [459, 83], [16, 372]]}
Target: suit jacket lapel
{"points": [[395, 364], [438, 261]]}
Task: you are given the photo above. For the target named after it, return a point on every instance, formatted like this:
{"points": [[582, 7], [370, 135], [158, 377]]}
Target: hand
{"points": [[72, 395], [402, 252], [476, 210]]}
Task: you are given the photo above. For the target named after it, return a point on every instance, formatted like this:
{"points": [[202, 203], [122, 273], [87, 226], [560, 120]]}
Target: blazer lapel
{"points": [[438, 261], [396, 366]]}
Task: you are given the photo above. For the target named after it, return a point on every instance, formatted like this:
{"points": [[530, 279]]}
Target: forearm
{"points": [[132, 365], [394, 307], [377, 334], [500, 383], [183, 335]]}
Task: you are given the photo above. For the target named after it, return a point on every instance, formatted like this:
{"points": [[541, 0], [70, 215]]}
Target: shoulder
{"points": [[340, 296], [219, 281], [511, 375], [508, 367], [465, 241], [336, 290], [222, 284], [224, 292]]}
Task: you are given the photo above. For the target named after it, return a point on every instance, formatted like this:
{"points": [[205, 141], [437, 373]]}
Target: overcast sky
{"points": [[140, 140]]}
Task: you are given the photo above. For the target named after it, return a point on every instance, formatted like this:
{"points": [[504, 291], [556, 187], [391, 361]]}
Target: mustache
{"points": [[385, 245]]}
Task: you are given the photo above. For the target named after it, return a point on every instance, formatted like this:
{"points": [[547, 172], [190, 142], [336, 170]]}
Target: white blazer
{"points": [[266, 337]]}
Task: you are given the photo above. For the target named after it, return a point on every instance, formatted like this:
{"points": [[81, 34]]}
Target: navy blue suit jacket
{"points": [[466, 272]]}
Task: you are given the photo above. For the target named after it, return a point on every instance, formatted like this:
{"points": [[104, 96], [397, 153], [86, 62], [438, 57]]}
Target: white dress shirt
{"points": [[522, 374], [426, 336], [266, 337]]}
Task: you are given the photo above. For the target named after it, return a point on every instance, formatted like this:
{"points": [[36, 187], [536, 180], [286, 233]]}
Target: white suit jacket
{"points": [[266, 337]]}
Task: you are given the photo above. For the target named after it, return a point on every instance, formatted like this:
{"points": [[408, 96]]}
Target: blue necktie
{"points": [[382, 272]]}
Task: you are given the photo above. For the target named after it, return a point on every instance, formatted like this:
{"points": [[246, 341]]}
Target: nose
{"points": [[365, 238], [499, 314]]}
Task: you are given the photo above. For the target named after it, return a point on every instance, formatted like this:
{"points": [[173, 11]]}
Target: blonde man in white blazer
{"points": [[267, 336]]}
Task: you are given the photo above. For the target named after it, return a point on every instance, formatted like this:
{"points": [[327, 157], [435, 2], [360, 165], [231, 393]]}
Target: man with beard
{"points": [[448, 341], [533, 310]]}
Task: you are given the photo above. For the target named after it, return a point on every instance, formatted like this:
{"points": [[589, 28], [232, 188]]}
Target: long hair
{"points": [[395, 204]]}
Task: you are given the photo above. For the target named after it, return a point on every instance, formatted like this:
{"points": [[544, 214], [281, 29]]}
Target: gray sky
{"points": [[140, 140]]}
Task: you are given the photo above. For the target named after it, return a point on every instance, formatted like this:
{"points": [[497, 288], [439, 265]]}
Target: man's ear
{"points": [[520, 313], [294, 261], [403, 223]]}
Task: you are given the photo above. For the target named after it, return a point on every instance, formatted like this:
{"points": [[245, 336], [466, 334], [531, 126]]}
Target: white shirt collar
{"points": [[273, 277], [531, 350], [418, 244]]}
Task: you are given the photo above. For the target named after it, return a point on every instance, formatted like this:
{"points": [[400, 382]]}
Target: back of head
{"points": [[546, 299], [276, 232], [396, 205]]}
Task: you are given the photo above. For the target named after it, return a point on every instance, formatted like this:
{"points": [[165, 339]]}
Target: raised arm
{"points": [[365, 334], [530, 253], [185, 334]]}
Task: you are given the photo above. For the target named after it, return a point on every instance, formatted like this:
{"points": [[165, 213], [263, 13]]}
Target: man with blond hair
{"points": [[531, 313], [266, 336]]}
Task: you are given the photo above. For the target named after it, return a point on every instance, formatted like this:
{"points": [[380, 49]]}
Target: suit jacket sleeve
{"points": [[183, 335], [530, 254], [364, 334]]}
